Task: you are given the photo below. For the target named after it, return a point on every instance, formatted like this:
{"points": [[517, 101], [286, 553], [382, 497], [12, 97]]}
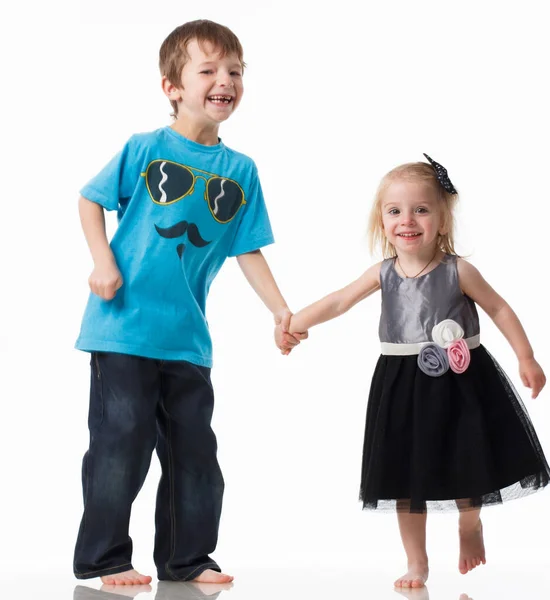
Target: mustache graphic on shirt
{"points": [[180, 229]]}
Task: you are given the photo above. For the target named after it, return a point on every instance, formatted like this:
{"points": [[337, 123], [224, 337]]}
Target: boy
{"points": [[185, 202]]}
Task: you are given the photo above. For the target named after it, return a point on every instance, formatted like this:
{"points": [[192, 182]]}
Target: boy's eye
{"points": [[236, 73], [421, 209]]}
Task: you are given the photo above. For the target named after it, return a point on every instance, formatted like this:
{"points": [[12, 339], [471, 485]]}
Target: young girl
{"points": [[445, 427]]}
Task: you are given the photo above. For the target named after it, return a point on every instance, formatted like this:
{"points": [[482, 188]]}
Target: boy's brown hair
{"points": [[173, 52]]}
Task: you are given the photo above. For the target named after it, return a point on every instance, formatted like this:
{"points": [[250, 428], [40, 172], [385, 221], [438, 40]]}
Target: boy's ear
{"points": [[170, 90]]}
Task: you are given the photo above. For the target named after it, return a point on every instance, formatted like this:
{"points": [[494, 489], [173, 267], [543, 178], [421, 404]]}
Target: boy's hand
{"points": [[284, 340], [105, 280], [532, 375]]}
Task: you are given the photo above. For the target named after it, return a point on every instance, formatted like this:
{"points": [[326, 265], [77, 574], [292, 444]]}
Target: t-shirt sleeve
{"points": [[254, 230], [115, 183]]}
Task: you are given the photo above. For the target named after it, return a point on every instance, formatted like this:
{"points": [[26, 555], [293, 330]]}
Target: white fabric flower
{"points": [[446, 332]]}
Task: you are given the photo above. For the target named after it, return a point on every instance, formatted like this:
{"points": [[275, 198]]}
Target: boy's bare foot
{"points": [[131, 577], [210, 576], [472, 549], [131, 591], [415, 577], [209, 589]]}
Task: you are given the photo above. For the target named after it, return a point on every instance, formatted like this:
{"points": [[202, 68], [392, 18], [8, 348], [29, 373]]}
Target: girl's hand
{"points": [[532, 375], [284, 340], [105, 280]]}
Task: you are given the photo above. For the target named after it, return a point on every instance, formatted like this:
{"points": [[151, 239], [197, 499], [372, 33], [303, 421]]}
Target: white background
{"points": [[336, 95]]}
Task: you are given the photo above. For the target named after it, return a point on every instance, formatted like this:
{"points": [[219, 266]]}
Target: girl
{"points": [[445, 427]]}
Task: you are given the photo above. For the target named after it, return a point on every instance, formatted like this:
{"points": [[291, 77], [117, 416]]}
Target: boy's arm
{"points": [[105, 279], [259, 276], [474, 286], [338, 302]]}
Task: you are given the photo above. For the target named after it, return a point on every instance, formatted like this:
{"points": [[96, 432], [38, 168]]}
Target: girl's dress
{"points": [[441, 433]]}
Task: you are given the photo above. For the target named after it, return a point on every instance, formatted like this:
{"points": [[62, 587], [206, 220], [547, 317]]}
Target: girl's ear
{"points": [[444, 228]]}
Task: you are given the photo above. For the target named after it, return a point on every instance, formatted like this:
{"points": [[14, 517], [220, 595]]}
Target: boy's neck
{"points": [[202, 134]]}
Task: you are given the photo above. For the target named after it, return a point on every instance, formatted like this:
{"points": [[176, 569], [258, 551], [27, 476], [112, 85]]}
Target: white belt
{"points": [[410, 349]]}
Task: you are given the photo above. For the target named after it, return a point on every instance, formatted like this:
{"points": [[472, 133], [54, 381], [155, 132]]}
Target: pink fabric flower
{"points": [[459, 356]]}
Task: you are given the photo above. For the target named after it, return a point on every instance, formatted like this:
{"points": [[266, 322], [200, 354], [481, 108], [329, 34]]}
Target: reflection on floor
{"points": [[193, 591], [489, 583]]}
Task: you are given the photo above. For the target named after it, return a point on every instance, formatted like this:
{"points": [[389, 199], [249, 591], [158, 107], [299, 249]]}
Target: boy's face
{"points": [[211, 86]]}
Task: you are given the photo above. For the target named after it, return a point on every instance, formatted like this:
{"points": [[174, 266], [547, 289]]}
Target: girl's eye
{"points": [[393, 211], [421, 209], [207, 72]]}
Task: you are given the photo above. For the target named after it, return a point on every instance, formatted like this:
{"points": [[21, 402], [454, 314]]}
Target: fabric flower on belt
{"points": [[446, 332], [432, 360], [459, 356], [448, 350]]}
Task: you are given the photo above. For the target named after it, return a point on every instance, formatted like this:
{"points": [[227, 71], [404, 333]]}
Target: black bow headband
{"points": [[441, 174]]}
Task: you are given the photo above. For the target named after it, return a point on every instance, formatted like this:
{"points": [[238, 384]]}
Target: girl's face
{"points": [[411, 216]]}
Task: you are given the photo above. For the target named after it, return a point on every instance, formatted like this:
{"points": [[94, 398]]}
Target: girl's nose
{"points": [[407, 218]]}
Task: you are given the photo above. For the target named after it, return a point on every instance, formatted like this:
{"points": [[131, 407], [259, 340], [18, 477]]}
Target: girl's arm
{"points": [[474, 286], [338, 302]]}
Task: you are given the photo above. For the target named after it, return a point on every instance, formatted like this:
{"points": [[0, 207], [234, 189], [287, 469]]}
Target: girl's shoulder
{"points": [[372, 273], [465, 268]]}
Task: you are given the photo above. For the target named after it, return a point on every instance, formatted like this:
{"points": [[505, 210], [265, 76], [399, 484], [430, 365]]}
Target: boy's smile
{"points": [[211, 86]]}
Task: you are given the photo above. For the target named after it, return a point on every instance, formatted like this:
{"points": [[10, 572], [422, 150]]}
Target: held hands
{"points": [[105, 280], [532, 375], [283, 339]]}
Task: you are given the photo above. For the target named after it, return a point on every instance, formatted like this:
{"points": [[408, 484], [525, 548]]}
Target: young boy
{"points": [[185, 203]]}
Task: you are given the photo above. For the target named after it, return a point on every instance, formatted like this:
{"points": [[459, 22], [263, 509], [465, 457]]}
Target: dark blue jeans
{"points": [[136, 405]]}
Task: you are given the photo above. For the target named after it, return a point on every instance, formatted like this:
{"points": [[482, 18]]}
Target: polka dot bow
{"points": [[441, 174]]}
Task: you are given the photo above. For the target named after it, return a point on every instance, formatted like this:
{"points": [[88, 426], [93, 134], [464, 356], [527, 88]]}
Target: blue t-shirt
{"points": [[183, 208]]}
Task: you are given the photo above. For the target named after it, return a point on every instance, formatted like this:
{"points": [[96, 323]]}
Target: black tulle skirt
{"points": [[447, 443]]}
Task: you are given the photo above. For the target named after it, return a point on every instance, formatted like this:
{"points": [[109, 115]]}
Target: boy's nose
{"points": [[225, 79]]}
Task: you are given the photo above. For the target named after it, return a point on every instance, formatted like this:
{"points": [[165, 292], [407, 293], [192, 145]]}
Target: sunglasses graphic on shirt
{"points": [[169, 182]]}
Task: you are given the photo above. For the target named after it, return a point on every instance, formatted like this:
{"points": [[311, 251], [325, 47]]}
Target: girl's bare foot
{"points": [[472, 549], [210, 576], [131, 577], [415, 577]]}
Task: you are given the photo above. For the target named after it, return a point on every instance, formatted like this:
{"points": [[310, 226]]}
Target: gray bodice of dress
{"points": [[411, 307]]}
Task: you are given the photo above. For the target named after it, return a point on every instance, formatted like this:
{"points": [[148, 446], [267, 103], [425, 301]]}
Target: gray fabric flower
{"points": [[432, 360]]}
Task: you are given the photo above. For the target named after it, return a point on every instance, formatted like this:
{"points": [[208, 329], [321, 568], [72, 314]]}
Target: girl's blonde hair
{"points": [[422, 172]]}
